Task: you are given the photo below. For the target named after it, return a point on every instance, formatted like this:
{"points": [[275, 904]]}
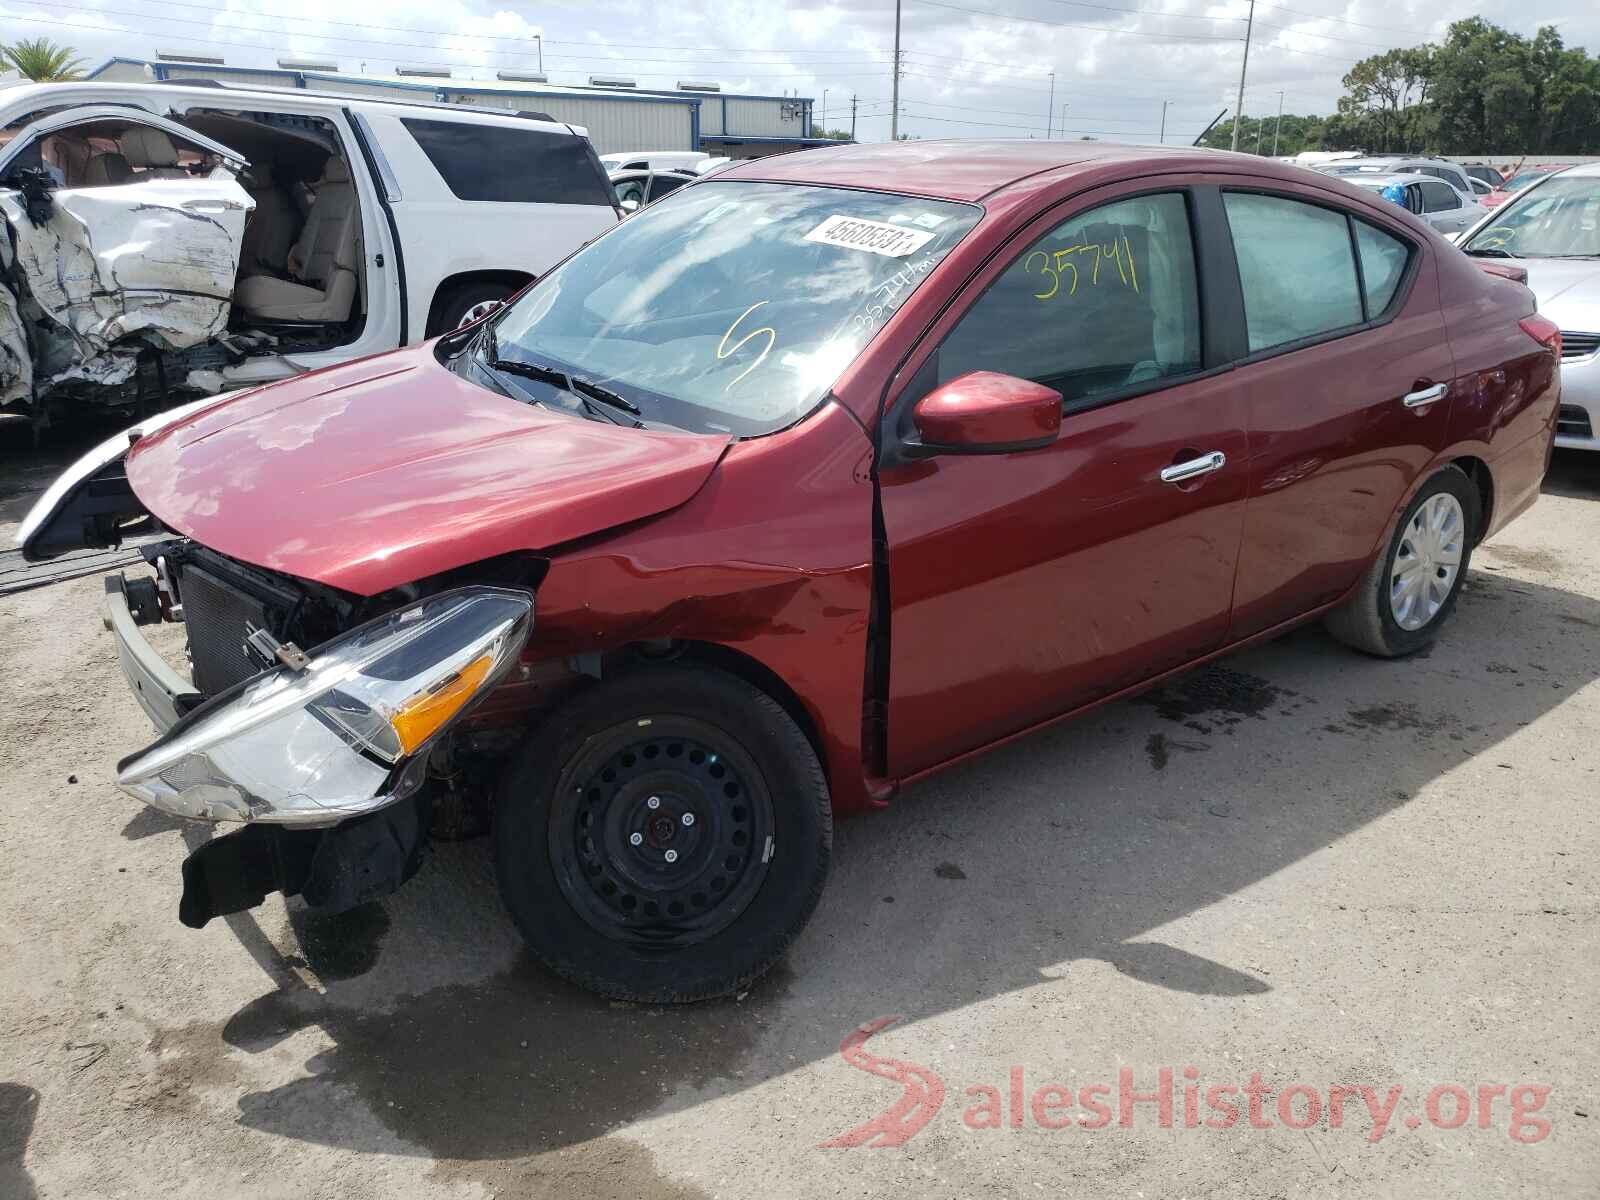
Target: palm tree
{"points": [[42, 60]]}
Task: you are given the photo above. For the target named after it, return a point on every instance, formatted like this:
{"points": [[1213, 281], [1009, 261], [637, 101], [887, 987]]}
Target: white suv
{"points": [[174, 240]]}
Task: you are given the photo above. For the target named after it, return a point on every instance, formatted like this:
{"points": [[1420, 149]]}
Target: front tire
{"points": [[1410, 590], [664, 837]]}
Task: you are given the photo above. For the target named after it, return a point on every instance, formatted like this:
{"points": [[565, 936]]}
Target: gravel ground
{"points": [[1299, 864]]}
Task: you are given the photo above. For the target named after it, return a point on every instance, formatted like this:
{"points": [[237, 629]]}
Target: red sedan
{"points": [[812, 479]]}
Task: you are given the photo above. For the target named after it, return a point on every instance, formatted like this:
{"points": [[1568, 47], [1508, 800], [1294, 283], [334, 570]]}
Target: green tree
{"points": [[41, 60], [837, 135], [1386, 99]]}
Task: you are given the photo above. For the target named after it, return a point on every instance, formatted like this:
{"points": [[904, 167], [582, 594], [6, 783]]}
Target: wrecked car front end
{"points": [[120, 289], [322, 754]]}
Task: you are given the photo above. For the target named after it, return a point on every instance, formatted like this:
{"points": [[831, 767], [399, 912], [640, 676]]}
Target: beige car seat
{"points": [[322, 262], [106, 170], [150, 153], [269, 232]]}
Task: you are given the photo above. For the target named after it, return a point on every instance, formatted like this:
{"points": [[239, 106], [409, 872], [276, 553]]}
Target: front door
{"points": [[1025, 585]]}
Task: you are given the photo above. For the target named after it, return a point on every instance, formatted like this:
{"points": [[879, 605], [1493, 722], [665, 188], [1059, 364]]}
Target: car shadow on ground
{"points": [[1574, 474], [1001, 874]]}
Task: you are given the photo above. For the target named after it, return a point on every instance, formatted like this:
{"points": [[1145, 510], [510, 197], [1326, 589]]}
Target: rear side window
{"points": [[1437, 197], [1296, 267], [511, 166], [1383, 263], [1104, 302]]}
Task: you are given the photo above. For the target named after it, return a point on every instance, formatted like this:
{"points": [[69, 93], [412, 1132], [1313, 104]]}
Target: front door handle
{"points": [[1425, 396], [1194, 467]]}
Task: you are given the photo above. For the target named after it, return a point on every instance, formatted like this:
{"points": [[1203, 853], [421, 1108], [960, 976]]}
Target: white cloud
{"points": [[965, 74]]}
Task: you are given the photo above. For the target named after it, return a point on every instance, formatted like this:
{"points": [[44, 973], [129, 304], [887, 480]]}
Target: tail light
{"points": [[1544, 331]]}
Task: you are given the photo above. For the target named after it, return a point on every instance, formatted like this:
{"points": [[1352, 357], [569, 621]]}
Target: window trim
{"points": [[1402, 291]]}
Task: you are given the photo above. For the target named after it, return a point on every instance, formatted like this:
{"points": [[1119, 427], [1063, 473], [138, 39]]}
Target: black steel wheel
{"points": [[660, 831], [664, 836]]}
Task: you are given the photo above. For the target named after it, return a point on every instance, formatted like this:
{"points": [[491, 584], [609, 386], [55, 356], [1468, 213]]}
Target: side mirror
{"points": [[630, 205], [984, 412]]}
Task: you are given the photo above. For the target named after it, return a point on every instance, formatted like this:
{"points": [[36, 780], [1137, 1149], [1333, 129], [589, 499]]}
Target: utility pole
{"points": [[852, 117], [824, 110], [1238, 109], [1163, 136], [1277, 127], [538, 40], [1050, 112], [894, 92]]}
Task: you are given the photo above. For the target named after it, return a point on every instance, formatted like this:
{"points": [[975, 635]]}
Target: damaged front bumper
{"points": [[322, 756]]}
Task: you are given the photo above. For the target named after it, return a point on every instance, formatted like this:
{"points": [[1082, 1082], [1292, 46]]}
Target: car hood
{"points": [[390, 469], [1568, 290]]}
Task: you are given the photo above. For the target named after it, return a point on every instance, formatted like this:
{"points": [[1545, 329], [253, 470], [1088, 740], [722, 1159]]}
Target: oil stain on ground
{"points": [[1222, 696], [1405, 717]]}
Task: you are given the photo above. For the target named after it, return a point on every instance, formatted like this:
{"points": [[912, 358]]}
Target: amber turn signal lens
{"points": [[420, 717]]}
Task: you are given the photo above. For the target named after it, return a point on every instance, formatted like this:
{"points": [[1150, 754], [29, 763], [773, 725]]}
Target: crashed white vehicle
{"points": [[168, 241]]}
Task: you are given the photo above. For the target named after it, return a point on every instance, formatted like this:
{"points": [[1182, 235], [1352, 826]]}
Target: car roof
{"points": [[1385, 178], [971, 170], [96, 91]]}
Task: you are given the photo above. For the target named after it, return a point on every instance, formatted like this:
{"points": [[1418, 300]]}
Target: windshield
{"points": [[1558, 219], [732, 307]]}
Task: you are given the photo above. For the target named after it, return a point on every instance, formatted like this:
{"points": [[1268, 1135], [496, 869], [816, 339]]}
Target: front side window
{"points": [[732, 307], [511, 166], [1296, 268], [660, 185], [1103, 302]]}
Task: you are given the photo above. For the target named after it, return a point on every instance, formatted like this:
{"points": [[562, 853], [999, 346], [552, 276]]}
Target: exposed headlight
{"points": [[343, 735]]}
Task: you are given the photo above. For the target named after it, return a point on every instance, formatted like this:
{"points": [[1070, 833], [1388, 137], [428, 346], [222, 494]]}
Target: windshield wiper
{"points": [[1487, 252], [592, 395]]}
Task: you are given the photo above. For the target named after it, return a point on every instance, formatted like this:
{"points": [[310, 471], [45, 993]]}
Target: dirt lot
{"points": [[1301, 864]]}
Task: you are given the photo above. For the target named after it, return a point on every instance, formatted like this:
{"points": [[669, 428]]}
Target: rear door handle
{"points": [[1425, 396], [1194, 467]]}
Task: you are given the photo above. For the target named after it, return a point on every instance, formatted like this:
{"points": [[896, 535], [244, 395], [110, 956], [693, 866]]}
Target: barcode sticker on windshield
{"points": [[875, 237]]}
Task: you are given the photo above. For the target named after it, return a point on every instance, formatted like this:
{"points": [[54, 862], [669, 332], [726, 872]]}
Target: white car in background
{"points": [[296, 230], [653, 160], [1552, 231], [636, 188], [1448, 209]]}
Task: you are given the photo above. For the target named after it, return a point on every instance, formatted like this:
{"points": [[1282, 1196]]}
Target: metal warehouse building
{"points": [[618, 118]]}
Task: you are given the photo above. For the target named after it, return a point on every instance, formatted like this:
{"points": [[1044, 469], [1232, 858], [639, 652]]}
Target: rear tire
{"points": [[1411, 588], [468, 302], [693, 896]]}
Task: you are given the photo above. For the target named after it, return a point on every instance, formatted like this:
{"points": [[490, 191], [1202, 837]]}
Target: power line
{"points": [[999, 16], [1024, 128]]}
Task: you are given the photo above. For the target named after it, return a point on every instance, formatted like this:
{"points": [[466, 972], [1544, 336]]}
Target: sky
{"points": [[971, 68]]}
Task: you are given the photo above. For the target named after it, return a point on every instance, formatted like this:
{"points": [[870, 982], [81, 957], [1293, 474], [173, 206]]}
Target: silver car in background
{"points": [[1552, 230], [1448, 209], [1452, 173]]}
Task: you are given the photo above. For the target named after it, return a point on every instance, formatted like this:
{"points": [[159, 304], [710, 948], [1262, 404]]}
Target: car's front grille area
{"points": [[1572, 421], [1578, 345], [217, 615]]}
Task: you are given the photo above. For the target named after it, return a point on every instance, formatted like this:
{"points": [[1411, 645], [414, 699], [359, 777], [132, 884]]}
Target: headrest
{"points": [[106, 168], [146, 147], [335, 170]]}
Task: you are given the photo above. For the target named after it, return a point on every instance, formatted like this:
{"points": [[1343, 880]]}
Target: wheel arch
{"points": [[1478, 471], [740, 665], [515, 280]]}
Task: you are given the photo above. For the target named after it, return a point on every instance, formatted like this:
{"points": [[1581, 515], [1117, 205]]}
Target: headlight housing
{"points": [[344, 735]]}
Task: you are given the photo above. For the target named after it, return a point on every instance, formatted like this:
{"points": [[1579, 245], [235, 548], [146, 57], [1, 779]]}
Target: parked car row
{"points": [[810, 479]]}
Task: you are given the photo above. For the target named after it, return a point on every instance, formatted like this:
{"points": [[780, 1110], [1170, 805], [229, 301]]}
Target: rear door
{"points": [[1444, 208], [1346, 385], [1027, 584]]}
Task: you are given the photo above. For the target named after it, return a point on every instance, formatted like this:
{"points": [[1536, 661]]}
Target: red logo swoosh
{"points": [[919, 1102]]}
